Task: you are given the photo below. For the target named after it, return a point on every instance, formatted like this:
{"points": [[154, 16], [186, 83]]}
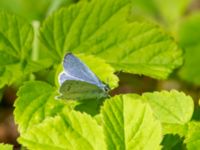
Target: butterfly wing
{"points": [[64, 76], [77, 70], [80, 90]]}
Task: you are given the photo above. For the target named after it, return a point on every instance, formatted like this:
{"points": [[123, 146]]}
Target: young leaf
{"points": [[70, 131], [193, 136], [100, 27], [130, 124], [35, 102], [171, 107], [6, 146], [16, 37]]}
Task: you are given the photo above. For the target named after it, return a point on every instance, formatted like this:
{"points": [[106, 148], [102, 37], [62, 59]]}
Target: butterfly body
{"points": [[78, 82]]}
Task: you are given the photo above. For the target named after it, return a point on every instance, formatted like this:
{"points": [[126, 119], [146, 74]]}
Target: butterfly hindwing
{"points": [[80, 90]]}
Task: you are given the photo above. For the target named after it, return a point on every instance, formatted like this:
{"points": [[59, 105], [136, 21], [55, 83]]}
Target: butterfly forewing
{"points": [[73, 67]]}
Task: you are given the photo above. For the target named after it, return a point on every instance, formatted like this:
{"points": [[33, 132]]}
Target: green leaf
{"points": [[72, 131], [6, 146], [35, 102], [33, 9], [190, 70], [16, 37], [130, 124], [171, 107], [173, 142], [100, 27], [192, 139], [189, 26], [35, 66], [175, 129]]}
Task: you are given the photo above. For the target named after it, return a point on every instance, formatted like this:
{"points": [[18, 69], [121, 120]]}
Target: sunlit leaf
{"points": [[6, 146], [69, 131], [193, 136], [16, 37], [130, 124], [171, 107], [100, 27], [35, 102]]}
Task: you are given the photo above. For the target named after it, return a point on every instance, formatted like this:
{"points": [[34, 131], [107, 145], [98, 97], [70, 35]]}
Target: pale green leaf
{"points": [[100, 27], [34, 103], [69, 131], [189, 35], [6, 146], [174, 129], [16, 37], [130, 124], [192, 139], [171, 107]]}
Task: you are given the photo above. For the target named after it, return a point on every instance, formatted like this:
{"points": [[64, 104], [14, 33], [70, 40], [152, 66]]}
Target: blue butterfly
{"points": [[78, 82]]}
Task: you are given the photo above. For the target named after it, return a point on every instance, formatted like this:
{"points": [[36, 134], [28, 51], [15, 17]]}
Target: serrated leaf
{"points": [[101, 28], [192, 139], [171, 107], [6, 146], [16, 37], [35, 102], [130, 124], [190, 70], [70, 131]]}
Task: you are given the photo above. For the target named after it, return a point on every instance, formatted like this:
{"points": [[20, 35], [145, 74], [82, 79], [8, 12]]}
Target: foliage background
{"points": [[180, 20]]}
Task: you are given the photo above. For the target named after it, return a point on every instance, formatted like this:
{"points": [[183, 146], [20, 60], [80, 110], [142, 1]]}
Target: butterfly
{"points": [[78, 82]]}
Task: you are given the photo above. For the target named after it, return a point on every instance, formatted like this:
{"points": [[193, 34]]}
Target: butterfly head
{"points": [[105, 87]]}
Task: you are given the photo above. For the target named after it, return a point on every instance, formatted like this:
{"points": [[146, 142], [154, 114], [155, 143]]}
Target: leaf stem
{"points": [[35, 51]]}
